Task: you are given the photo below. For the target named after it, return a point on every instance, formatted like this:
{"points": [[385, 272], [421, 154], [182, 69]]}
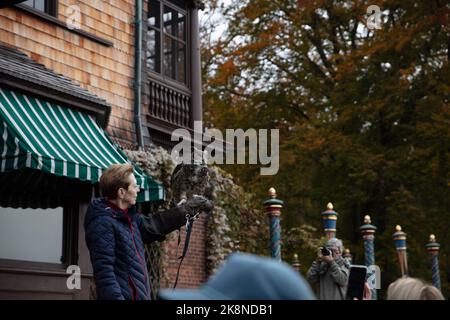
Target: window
{"points": [[166, 39], [31, 234], [47, 6]]}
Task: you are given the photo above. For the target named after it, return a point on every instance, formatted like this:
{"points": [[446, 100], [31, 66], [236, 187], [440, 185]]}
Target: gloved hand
{"points": [[197, 204]]}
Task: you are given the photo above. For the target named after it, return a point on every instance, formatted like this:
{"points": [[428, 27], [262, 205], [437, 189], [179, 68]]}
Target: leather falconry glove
{"points": [[197, 204]]}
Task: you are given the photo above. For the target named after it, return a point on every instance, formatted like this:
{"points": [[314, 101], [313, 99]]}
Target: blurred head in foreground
{"points": [[248, 277], [413, 289]]}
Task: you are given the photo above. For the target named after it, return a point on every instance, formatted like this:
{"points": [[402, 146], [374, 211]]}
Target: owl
{"points": [[188, 180]]}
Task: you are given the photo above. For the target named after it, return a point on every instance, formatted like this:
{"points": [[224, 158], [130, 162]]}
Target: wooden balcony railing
{"points": [[169, 104]]}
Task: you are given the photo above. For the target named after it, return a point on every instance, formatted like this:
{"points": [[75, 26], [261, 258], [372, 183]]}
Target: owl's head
{"points": [[190, 178], [191, 174]]}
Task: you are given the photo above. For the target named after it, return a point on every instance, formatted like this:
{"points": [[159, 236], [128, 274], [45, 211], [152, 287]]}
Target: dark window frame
{"points": [[69, 252], [161, 34], [50, 7], [54, 20]]}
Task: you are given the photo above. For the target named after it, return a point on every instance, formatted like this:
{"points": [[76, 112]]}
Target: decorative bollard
{"points": [[329, 221], [400, 244], [296, 263], [273, 209], [433, 249], [368, 232]]}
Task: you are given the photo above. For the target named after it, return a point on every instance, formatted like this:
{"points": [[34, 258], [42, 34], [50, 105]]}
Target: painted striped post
{"points": [[368, 233], [433, 249], [400, 244], [329, 218], [273, 209]]}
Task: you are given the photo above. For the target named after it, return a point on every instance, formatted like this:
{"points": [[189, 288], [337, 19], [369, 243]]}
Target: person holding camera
{"points": [[330, 271], [116, 234]]}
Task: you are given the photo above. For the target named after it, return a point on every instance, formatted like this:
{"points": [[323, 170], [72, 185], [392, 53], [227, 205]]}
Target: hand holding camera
{"points": [[325, 251], [325, 254]]}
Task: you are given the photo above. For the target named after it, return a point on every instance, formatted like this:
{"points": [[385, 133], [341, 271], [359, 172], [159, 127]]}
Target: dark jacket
{"points": [[116, 238]]}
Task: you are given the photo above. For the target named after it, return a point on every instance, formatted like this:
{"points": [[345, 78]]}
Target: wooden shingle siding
{"points": [[104, 71]]}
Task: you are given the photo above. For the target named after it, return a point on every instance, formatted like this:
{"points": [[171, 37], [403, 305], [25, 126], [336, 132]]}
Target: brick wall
{"points": [[193, 269]]}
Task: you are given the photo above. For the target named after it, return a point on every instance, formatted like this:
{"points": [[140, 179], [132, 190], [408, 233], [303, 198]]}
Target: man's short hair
{"points": [[335, 242], [116, 176]]}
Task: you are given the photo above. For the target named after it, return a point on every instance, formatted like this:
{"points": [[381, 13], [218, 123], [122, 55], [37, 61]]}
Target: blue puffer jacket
{"points": [[116, 238]]}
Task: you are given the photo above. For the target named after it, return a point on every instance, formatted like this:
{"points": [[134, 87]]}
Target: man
{"points": [[116, 233], [330, 271]]}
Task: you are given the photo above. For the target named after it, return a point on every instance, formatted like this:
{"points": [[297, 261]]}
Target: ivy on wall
{"points": [[237, 224]]}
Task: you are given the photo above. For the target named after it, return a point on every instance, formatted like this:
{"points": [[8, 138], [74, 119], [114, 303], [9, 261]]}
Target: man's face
{"points": [[130, 195], [335, 250]]}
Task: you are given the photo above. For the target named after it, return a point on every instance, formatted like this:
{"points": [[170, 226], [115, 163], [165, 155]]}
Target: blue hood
{"points": [[248, 277]]}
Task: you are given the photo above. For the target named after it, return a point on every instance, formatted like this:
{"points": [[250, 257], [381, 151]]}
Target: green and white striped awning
{"points": [[45, 136]]}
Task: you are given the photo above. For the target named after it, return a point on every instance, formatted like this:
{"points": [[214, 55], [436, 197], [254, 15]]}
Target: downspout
{"points": [[138, 73], [196, 78], [196, 66]]}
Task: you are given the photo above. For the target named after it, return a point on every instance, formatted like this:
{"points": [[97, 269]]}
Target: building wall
{"points": [[104, 71]]}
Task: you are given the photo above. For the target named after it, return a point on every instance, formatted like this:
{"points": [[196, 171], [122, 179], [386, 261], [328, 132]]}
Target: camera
{"points": [[325, 251]]}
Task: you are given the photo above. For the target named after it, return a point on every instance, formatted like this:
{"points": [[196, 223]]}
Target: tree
{"points": [[363, 114]]}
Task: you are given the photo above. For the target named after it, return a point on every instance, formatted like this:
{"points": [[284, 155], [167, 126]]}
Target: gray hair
{"points": [[335, 242], [413, 289]]}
